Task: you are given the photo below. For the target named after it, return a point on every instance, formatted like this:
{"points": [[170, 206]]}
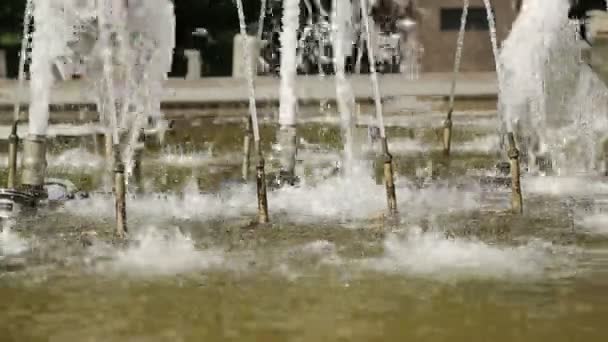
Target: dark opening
{"points": [[477, 19]]}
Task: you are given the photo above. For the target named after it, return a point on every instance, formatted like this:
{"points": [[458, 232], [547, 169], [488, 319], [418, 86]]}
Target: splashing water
{"points": [[344, 93], [10, 242], [554, 101], [431, 255], [156, 252]]}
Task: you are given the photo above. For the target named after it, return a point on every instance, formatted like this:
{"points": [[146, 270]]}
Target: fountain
{"points": [[550, 98], [288, 98], [262, 217], [457, 259]]}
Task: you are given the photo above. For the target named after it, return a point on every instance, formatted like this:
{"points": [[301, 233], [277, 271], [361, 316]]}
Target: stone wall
{"points": [[439, 46]]}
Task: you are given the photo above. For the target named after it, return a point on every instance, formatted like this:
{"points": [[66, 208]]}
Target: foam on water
{"points": [[11, 243], [333, 199], [432, 255], [155, 252]]}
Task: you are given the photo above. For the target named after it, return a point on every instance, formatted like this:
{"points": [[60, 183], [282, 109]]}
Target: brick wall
{"points": [[439, 46]]}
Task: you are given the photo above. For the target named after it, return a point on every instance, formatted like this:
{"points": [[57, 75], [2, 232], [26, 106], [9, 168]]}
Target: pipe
{"points": [[34, 165], [137, 160], [261, 188], [389, 179], [13, 144], [247, 149], [516, 196], [447, 134], [120, 195]]}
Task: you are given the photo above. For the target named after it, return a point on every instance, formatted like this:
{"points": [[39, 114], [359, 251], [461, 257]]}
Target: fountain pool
{"points": [[454, 263]]}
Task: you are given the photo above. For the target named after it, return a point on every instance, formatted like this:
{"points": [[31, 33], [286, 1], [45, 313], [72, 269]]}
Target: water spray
{"points": [[260, 172], [344, 94], [447, 125], [516, 196], [13, 145], [111, 112], [46, 46], [288, 99], [25, 43], [389, 179]]}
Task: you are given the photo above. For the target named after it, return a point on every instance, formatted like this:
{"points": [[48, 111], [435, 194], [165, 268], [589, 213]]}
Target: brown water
{"points": [[455, 267]]}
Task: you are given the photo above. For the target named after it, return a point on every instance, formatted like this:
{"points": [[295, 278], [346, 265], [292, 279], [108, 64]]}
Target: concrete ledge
{"points": [[221, 92]]}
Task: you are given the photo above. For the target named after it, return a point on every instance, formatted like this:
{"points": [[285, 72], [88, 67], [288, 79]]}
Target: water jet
{"points": [[262, 215]]}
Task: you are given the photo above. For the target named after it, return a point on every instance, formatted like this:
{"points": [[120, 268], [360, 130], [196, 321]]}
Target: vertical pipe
{"points": [[247, 150], [261, 20], [138, 153], [120, 195], [389, 179], [13, 143], [516, 196], [261, 187]]}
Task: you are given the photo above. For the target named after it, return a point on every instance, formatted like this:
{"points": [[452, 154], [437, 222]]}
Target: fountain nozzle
{"points": [[13, 143], [516, 196], [389, 179], [34, 165]]}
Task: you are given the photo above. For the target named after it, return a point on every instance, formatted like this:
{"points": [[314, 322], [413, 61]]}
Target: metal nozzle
{"points": [[34, 164]]}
